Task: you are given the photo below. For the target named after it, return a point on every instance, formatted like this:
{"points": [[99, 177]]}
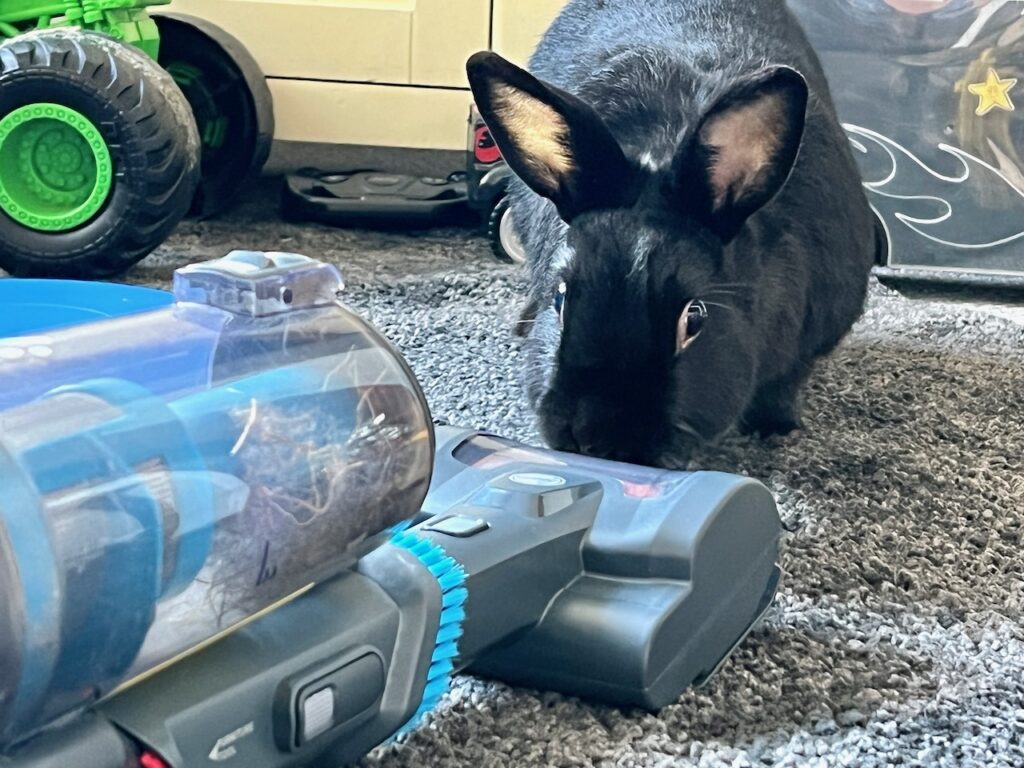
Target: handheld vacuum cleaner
{"points": [[217, 544]]}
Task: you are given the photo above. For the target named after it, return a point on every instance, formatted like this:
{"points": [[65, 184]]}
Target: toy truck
{"points": [[89, 190]]}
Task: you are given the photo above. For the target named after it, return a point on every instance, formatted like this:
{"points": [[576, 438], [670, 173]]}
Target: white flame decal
{"points": [[984, 16], [931, 216]]}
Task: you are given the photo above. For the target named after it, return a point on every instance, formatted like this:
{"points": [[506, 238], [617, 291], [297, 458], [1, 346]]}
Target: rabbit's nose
{"points": [[582, 440], [607, 444], [606, 430], [627, 454]]}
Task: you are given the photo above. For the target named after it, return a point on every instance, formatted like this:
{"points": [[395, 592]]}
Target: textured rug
{"points": [[897, 635]]}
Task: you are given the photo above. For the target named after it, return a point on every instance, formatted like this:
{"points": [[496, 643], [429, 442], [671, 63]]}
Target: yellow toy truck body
{"points": [[386, 73]]}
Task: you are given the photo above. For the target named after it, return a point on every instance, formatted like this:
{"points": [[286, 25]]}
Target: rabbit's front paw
{"points": [[768, 424], [775, 408]]}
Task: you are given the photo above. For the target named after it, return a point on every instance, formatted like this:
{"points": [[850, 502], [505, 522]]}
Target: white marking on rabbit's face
{"points": [[647, 161], [641, 251], [653, 162]]}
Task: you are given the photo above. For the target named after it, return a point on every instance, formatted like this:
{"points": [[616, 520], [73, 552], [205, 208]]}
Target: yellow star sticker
{"points": [[993, 93]]}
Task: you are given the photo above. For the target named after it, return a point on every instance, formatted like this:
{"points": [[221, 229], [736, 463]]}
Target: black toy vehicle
{"points": [[926, 90], [372, 198]]}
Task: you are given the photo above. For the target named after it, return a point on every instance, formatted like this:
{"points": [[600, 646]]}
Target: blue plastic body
{"points": [[34, 309], [34, 306]]}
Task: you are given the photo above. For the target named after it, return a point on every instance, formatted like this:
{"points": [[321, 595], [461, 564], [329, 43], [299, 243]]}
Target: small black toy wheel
{"points": [[505, 243], [99, 155], [231, 103]]}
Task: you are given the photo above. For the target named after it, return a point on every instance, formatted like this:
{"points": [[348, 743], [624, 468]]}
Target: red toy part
{"points": [[484, 148]]}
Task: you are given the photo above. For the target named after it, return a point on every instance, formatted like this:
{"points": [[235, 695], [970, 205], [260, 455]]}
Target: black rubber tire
{"points": [[232, 89], [150, 133], [494, 219]]}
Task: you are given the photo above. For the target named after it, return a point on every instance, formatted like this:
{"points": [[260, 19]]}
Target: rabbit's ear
{"points": [[556, 143], [744, 148]]}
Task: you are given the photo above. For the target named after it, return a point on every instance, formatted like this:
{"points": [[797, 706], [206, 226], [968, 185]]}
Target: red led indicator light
{"points": [[640, 490], [152, 760]]}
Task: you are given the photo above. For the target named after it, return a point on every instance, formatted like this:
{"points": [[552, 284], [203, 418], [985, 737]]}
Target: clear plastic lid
{"points": [[170, 474]]}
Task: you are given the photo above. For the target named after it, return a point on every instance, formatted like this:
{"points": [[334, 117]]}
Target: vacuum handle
{"points": [[321, 680]]}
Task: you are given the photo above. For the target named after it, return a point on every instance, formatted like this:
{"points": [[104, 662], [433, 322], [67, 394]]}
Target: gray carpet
{"points": [[897, 635]]}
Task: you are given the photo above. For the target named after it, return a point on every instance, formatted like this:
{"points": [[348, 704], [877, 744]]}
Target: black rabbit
{"points": [[695, 224]]}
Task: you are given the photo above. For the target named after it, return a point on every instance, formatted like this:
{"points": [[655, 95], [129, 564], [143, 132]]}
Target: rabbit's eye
{"points": [[691, 323], [560, 301]]}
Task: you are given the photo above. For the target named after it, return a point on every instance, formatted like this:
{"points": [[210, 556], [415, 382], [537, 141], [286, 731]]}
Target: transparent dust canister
{"points": [[170, 474]]}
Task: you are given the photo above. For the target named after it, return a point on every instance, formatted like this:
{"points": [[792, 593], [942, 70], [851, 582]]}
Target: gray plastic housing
{"points": [[235, 702], [246, 686], [620, 584]]}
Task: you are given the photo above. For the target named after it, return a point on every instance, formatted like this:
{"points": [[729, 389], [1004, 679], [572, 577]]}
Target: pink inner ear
{"points": [[539, 132], [745, 141]]}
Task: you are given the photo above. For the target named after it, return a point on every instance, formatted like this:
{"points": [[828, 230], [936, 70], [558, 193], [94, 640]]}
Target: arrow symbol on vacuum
{"points": [[225, 748]]}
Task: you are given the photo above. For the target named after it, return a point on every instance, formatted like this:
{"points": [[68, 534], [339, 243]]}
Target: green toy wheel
{"points": [[55, 168], [99, 155]]}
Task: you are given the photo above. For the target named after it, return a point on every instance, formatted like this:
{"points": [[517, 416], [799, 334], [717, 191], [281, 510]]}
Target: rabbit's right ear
{"points": [[556, 143]]}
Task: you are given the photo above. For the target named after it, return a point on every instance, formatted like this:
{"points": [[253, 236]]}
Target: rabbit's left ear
{"points": [[744, 148], [555, 142]]}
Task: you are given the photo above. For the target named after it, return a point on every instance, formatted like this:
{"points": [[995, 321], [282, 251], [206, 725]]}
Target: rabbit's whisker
{"points": [[683, 426], [723, 306], [671, 461]]}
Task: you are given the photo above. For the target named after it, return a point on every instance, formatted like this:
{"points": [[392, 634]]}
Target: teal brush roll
{"points": [[451, 578]]}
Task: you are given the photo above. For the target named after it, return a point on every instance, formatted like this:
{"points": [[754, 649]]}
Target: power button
{"points": [[335, 697], [317, 713]]}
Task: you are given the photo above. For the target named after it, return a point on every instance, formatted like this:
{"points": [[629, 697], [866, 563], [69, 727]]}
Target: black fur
{"points": [[781, 260]]}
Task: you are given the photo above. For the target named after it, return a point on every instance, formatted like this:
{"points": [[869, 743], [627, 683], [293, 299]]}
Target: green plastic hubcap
{"points": [[55, 167]]}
